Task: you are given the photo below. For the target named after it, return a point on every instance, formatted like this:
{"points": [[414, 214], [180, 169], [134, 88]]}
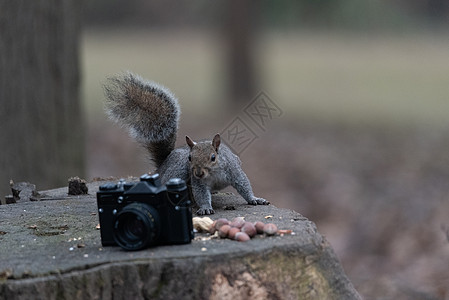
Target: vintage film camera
{"points": [[140, 214]]}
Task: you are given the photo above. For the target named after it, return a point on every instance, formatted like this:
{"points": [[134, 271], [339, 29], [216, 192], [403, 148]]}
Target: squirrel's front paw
{"points": [[258, 201], [205, 211]]}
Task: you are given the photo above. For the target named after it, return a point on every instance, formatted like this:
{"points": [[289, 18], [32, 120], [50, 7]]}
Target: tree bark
{"points": [[240, 33], [41, 133]]}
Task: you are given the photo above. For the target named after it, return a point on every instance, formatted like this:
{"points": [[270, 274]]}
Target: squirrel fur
{"points": [[151, 114]]}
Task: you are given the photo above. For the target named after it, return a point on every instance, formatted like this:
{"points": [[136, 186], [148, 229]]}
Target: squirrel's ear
{"points": [[216, 141], [190, 142]]}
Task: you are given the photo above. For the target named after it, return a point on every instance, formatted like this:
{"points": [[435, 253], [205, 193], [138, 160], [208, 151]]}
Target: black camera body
{"points": [[141, 214]]}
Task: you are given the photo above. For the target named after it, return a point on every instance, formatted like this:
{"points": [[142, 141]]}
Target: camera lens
{"points": [[136, 226]]}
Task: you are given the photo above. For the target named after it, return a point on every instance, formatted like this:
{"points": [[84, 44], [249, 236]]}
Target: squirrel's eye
{"points": [[212, 158], [190, 157]]}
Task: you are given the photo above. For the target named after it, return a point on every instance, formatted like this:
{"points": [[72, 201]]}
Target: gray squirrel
{"points": [[151, 113]]}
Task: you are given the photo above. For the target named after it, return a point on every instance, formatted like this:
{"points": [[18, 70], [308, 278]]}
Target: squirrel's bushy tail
{"points": [[149, 111]]}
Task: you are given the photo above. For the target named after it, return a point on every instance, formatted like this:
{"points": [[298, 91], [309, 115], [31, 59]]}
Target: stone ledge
{"points": [[51, 250]]}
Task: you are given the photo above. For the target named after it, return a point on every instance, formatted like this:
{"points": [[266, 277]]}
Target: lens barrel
{"points": [[136, 226]]}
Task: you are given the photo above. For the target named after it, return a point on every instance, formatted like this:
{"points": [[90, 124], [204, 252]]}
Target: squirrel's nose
{"points": [[199, 173]]}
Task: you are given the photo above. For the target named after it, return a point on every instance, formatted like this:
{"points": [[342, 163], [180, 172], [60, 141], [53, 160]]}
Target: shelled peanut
{"points": [[240, 230]]}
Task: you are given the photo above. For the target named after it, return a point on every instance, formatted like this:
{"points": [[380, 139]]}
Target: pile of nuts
{"points": [[240, 230]]}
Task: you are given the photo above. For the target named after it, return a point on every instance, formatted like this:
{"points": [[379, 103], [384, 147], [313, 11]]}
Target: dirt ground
{"points": [[379, 196]]}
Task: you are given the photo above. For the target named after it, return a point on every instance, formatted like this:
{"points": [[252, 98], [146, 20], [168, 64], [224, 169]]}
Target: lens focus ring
{"points": [[136, 226]]}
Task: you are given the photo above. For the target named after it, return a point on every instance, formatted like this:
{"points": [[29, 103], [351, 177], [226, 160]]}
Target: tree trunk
{"points": [[239, 32], [41, 133], [46, 264]]}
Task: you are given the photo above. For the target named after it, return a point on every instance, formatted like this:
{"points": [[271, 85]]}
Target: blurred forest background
{"points": [[362, 146]]}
